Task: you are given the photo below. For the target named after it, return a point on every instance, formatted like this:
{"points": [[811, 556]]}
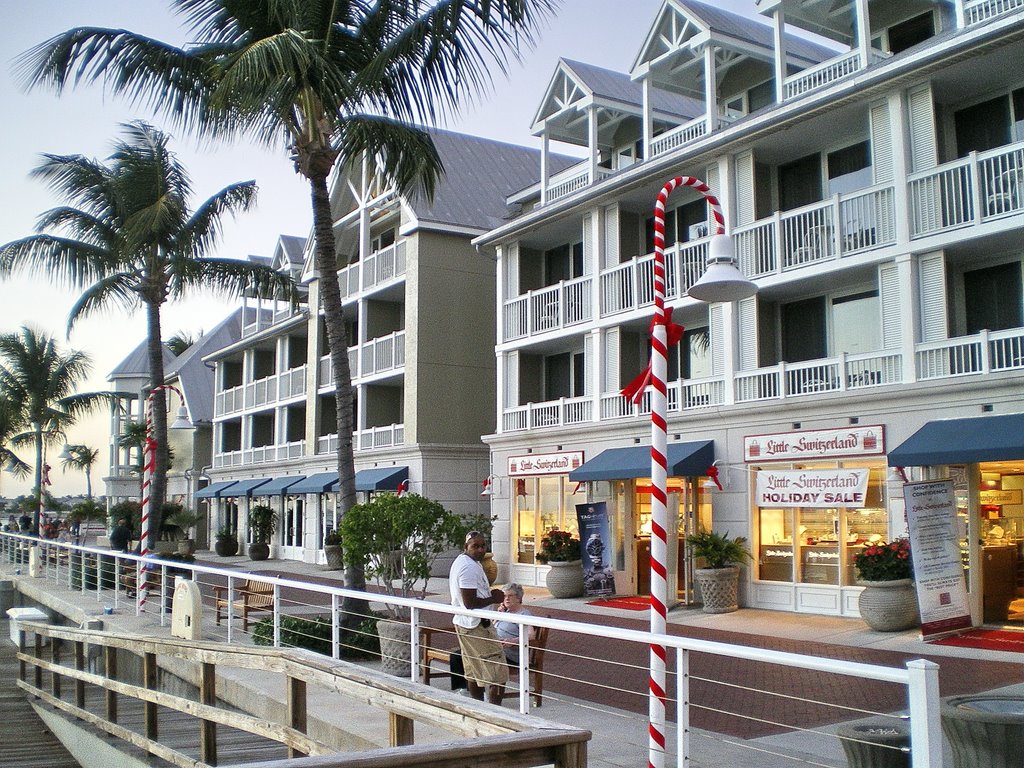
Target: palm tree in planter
{"points": [[262, 522], [719, 578], [397, 539]]}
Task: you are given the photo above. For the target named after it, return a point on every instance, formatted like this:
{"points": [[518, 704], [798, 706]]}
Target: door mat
{"points": [[987, 639], [635, 603]]}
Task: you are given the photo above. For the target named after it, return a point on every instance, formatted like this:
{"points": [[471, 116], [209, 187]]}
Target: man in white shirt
{"points": [[482, 654]]}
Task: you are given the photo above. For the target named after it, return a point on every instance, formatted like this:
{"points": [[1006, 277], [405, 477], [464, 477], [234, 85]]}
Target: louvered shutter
{"points": [[711, 178], [511, 271], [744, 189], [588, 244], [881, 143], [511, 399], [588, 365], [889, 297], [610, 374], [923, 154], [932, 284], [611, 236], [717, 331], [747, 328]]}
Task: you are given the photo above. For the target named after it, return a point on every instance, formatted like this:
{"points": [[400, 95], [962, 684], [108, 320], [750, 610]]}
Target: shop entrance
{"points": [[688, 508], [1001, 533]]}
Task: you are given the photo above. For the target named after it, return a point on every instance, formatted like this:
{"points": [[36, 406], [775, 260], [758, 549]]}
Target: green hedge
{"points": [[315, 635]]}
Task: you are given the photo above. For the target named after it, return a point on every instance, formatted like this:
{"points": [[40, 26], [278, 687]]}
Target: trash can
{"points": [[876, 744], [984, 729]]}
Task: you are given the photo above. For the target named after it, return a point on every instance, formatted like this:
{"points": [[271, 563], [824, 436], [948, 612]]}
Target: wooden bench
{"points": [[250, 597], [431, 652]]}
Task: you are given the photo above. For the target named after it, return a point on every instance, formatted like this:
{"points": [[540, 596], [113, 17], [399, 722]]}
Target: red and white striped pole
{"points": [[148, 470], [659, 463]]}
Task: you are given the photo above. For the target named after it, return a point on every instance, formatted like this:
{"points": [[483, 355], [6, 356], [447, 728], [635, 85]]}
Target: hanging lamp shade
{"points": [[182, 422], [722, 280]]}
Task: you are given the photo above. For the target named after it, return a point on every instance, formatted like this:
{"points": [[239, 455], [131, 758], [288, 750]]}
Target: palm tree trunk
{"points": [[337, 340], [39, 478], [88, 482], [158, 410]]}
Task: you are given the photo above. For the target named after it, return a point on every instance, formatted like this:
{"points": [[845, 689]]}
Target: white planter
{"points": [[395, 647], [565, 579], [719, 588]]}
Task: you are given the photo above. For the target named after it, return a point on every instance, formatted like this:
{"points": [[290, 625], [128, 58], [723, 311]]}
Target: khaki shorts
{"points": [[482, 655]]}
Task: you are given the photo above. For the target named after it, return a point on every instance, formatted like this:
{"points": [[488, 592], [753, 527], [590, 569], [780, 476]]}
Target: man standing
{"points": [[482, 654], [121, 536]]}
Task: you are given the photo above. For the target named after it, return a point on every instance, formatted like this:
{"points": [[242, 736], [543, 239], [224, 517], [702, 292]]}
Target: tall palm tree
{"points": [[128, 237], [82, 458], [327, 80], [43, 381], [10, 425]]}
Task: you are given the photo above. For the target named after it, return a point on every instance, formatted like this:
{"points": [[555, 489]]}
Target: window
{"points": [[563, 263], [563, 375], [382, 241], [800, 182], [542, 503], [804, 335], [691, 358], [856, 324], [992, 298], [682, 224], [982, 126], [911, 32], [849, 169]]}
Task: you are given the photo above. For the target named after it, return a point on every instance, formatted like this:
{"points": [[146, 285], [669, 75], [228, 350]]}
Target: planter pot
{"points": [[889, 606], [984, 730], [565, 579], [395, 648], [332, 554], [187, 547], [490, 568], [875, 744], [719, 588], [226, 547], [259, 551]]}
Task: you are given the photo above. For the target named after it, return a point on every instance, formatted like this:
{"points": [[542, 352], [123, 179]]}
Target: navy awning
{"points": [[278, 486], [245, 487], [381, 478], [684, 460], [962, 441], [213, 490], [317, 483]]}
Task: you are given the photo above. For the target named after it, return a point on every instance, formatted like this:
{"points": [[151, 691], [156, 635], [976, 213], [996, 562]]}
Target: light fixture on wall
{"points": [[990, 480], [488, 486], [403, 487]]}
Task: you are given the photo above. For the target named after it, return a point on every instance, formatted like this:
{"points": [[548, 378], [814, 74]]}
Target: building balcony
{"points": [[557, 306], [365, 439], [380, 355], [979, 11], [257, 394], [268, 314], [573, 179], [260, 455], [378, 269]]}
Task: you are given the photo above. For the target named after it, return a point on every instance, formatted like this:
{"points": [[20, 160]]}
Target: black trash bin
{"points": [[876, 744], [984, 730]]}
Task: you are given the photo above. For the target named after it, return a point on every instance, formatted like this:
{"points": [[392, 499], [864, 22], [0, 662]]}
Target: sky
{"points": [[606, 33]]}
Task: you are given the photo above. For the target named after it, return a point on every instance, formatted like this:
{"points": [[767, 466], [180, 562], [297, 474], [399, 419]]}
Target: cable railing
{"points": [[720, 696]]}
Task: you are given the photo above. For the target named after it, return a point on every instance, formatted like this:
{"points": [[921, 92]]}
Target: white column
{"points": [[544, 170], [592, 142], [906, 276], [779, 29], [710, 89], [862, 31], [648, 117]]}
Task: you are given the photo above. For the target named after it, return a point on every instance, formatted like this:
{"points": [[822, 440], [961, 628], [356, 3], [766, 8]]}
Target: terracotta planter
{"points": [[719, 588], [395, 648], [332, 553], [565, 579], [889, 606], [490, 568]]}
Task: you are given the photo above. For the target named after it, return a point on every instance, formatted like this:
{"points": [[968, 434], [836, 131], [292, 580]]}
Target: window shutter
{"points": [[881, 143], [744, 189], [747, 327], [511, 272], [922, 129], [511, 379], [588, 244], [588, 364], [889, 295], [611, 236], [932, 284], [610, 374], [717, 331], [711, 178]]}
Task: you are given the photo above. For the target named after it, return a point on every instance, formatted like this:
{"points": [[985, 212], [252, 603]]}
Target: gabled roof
{"points": [[136, 364], [288, 253]]}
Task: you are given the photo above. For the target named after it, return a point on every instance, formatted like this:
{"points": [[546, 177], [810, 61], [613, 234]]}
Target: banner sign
{"points": [[596, 546], [545, 463], [815, 444], [935, 549], [998, 497], [818, 488]]}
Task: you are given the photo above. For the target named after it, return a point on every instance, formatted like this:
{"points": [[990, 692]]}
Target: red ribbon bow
{"points": [[634, 391], [712, 472]]}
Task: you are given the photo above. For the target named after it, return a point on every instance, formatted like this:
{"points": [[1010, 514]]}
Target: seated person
{"points": [[508, 631]]}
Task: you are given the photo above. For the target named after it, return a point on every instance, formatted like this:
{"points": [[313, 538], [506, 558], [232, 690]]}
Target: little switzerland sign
{"points": [[822, 488], [818, 444], [545, 463]]}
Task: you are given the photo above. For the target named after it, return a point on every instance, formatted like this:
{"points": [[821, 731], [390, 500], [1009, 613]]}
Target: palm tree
{"points": [[128, 237], [43, 382], [82, 458], [180, 342], [10, 425], [327, 80]]}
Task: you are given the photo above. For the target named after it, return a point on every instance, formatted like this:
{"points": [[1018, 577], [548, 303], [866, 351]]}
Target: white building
{"points": [[874, 191]]}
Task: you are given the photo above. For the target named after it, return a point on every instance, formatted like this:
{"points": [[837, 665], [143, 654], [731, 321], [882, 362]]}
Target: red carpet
{"points": [[988, 639], [635, 603]]}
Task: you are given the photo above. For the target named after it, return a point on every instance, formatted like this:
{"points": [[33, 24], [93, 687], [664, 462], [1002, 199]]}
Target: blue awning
{"points": [[244, 487], [381, 478], [317, 483], [279, 486], [684, 460], [962, 441], [213, 490]]}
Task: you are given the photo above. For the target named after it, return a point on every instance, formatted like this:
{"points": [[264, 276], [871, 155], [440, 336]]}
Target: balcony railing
{"points": [[822, 74], [378, 268], [260, 455], [573, 179], [843, 373], [680, 135], [265, 391], [978, 11], [972, 190], [630, 285], [365, 439], [385, 353], [268, 313], [558, 306], [562, 412], [986, 352]]}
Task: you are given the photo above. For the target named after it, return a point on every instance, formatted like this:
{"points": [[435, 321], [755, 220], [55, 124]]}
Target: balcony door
{"points": [[993, 298]]}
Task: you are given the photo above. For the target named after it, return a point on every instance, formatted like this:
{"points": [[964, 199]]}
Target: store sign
{"points": [[935, 548], [821, 488], [1008, 496], [545, 463], [816, 444]]}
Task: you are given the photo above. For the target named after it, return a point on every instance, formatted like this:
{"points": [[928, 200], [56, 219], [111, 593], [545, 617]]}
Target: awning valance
{"points": [[381, 478], [213, 490], [962, 441], [244, 487], [684, 460], [317, 483], [279, 486]]}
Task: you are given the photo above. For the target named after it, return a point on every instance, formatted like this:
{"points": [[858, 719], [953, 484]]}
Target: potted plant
{"points": [[397, 539], [718, 579], [225, 542], [332, 549], [888, 602], [560, 550], [262, 522], [179, 526]]}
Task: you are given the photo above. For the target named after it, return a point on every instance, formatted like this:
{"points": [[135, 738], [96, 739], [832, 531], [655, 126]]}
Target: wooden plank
{"points": [[149, 668], [208, 728], [296, 710]]}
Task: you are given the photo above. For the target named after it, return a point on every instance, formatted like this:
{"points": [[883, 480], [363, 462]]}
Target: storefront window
{"points": [[329, 516], [543, 503]]}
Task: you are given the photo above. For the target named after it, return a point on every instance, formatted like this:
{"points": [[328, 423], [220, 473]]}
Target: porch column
{"points": [[595, 154], [648, 117], [906, 278], [544, 170], [710, 89], [779, 31], [862, 31]]}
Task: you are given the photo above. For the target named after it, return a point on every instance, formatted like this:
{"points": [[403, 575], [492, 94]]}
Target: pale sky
{"points": [[607, 33]]}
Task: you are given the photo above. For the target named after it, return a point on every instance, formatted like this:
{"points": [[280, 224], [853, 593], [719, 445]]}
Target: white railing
{"points": [[842, 373], [102, 575], [564, 304], [379, 437], [977, 11], [228, 459], [229, 401], [974, 189], [384, 353], [291, 383], [267, 313], [384, 265], [678, 136], [554, 413], [822, 74], [986, 352], [573, 179], [261, 391]]}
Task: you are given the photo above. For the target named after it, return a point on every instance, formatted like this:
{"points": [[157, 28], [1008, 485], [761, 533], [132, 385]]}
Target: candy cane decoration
{"points": [[659, 463], [148, 470]]}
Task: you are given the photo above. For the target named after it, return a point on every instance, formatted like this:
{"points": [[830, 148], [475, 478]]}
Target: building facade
{"points": [[873, 187]]}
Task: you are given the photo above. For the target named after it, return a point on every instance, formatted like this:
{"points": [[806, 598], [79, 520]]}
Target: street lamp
{"points": [[148, 469], [721, 282]]}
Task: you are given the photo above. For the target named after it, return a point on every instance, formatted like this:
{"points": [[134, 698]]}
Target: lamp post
{"points": [[721, 281], [148, 469]]}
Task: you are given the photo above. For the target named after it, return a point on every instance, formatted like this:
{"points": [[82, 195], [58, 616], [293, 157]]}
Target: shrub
{"points": [[718, 550], [315, 635], [885, 561], [558, 547]]}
